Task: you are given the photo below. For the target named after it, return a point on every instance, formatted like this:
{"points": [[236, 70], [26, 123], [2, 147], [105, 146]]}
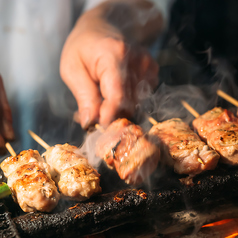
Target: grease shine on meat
{"points": [[76, 179], [125, 147], [189, 155], [219, 127], [30, 181]]}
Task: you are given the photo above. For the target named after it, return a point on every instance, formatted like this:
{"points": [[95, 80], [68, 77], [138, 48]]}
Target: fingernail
{"points": [[84, 118]]}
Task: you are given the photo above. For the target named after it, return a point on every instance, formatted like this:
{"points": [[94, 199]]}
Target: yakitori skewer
{"points": [[125, 147], [30, 182], [75, 177], [189, 108], [219, 129], [227, 97]]}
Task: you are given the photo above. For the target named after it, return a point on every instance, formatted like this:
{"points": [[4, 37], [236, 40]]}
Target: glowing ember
{"points": [[232, 236], [227, 228], [218, 223]]}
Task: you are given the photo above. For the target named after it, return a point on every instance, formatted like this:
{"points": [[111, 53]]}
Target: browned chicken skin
{"points": [[76, 179], [30, 181], [212, 120], [219, 127], [189, 155], [125, 147]]}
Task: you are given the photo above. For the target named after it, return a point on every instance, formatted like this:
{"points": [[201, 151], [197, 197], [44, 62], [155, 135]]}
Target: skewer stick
{"points": [[195, 114], [10, 149], [38, 139], [98, 127], [152, 121], [190, 109], [227, 97]]}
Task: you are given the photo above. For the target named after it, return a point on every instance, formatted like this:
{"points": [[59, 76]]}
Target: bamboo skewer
{"points": [[10, 149], [98, 127], [195, 114], [38, 139], [190, 109], [227, 97], [152, 121]]}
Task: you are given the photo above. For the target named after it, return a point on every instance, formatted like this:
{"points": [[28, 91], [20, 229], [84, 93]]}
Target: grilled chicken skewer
{"points": [[219, 129], [30, 181], [128, 150], [76, 179], [186, 152], [213, 120]]}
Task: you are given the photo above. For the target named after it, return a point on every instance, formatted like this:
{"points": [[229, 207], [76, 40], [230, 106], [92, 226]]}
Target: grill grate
{"points": [[7, 226]]}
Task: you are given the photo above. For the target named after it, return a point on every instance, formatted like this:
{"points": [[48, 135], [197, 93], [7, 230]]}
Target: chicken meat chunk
{"points": [[30, 182], [219, 127], [211, 120], [125, 147], [185, 150], [76, 179]]}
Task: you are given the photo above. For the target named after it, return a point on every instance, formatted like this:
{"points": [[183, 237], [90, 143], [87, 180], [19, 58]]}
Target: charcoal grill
{"points": [[169, 206]]}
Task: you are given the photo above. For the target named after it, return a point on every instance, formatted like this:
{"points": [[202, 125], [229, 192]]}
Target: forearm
{"points": [[137, 21]]}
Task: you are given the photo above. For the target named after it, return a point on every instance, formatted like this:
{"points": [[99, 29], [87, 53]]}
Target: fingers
{"points": [[6, 129], [85, 91], [106, 62], [116, 91]]}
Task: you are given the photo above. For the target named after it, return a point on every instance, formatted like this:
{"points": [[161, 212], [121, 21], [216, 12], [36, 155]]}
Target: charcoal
{"points": [[157, 206], [7, 226]]}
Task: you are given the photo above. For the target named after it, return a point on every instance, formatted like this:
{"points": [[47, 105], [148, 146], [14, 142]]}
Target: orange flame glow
{"points": [[218, 223], [232, 236]]}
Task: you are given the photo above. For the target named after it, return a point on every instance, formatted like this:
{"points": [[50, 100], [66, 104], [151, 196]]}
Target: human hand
{"points": [[104, 71], [6, 129]]}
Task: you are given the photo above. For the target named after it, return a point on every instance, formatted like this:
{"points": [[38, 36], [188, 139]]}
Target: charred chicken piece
{"points": [[30, 181], [219, 127], [76, 179], [212, 120], [188, 154], [126, 148]]}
